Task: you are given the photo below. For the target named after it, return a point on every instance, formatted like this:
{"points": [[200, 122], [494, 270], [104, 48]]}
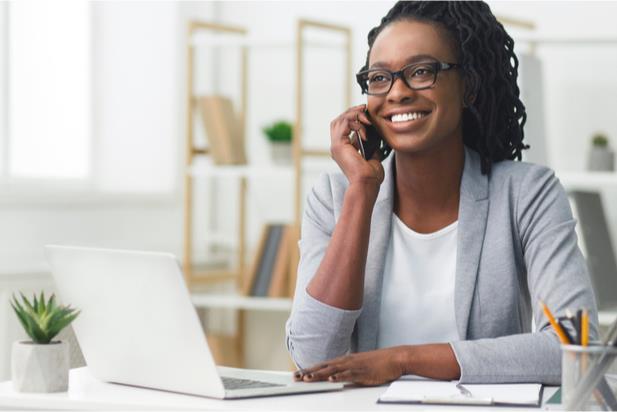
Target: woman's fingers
{"points": [[343, 376], [321, 374]]}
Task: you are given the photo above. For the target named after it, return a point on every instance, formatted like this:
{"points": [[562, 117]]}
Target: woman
{"points": [[434, 261]]}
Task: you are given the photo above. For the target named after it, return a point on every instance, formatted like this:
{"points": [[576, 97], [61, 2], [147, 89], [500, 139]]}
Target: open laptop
{"points": [[138, 326]]}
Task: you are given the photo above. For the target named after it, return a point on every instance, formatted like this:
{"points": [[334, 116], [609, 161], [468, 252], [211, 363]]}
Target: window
{"points": [[89, 98], [48, 90]]}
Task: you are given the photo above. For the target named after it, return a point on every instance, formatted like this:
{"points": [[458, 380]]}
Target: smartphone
{"points": [[374, 142]]}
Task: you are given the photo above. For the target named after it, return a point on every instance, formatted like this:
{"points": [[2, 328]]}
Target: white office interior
{"points": [[93, 130]]}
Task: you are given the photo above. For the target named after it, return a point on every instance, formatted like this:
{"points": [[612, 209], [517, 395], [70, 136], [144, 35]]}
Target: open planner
{"points": [[440, 392]]}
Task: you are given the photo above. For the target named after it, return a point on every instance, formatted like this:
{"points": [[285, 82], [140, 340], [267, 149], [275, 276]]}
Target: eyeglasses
{"points": [[417, 76]]}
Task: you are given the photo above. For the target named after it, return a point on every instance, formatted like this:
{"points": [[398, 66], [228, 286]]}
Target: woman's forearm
{"points": [[339, 280], [436, 361]]}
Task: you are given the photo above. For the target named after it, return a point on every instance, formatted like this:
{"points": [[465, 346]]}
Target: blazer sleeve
{"points": [[316, 331], [556, 274]]}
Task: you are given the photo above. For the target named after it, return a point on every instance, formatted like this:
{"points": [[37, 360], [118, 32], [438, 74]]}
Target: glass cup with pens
{"points": [[589, 369]]}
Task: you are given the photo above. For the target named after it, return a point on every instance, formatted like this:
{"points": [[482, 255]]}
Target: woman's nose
{"points": [[400, 92]]}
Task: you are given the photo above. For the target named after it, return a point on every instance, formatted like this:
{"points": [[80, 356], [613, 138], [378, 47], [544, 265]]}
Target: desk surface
{"points": [[85, 392]]}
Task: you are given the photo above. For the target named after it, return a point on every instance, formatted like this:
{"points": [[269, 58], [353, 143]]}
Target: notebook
{"points": [[444, 392]]}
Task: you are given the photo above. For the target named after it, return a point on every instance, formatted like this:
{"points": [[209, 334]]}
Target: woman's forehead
{"points": [[401, 41]]}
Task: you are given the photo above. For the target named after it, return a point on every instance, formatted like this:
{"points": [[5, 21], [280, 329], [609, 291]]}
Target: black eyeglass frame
{"points": [[362, 76]]}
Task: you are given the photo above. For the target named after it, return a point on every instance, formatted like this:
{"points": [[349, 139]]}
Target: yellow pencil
{"points": [[562, 336], [585, 328]]}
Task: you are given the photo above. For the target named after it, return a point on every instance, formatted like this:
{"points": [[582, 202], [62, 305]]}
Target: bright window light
{"points": [[49, 89]]}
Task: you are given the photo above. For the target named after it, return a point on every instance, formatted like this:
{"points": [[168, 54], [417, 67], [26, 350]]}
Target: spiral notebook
{"points": [[443, 392]]}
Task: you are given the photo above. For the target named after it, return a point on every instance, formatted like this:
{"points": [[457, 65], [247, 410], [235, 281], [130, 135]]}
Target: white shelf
{"points": [[240, 171], [255, 171], [228, 301], [565, 40], [607, 318], [204, 40], [587, 180]]}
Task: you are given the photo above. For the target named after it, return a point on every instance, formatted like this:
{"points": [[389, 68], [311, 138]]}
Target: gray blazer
{"points": [[516, 246]]}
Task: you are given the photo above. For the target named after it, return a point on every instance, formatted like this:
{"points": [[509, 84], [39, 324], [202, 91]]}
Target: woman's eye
{"points": [[423, 71], [378, 78]]}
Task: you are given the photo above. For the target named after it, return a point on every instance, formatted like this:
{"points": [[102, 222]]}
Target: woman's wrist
{"points": [[403, 357], [436, 361], [364, 191]]}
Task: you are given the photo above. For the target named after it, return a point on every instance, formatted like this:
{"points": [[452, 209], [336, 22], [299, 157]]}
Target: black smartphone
{"points": [[374, 142]]}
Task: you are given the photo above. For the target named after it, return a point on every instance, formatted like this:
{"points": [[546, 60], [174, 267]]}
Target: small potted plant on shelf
{"points": [[280, 135], [41, 364], [601, 157]]}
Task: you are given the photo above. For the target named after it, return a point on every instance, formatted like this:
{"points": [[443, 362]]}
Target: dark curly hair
{"points": [[494, 116]]}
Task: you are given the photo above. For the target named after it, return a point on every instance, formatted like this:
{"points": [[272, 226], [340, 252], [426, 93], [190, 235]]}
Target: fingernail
{"points": [[297, 375], [310, 376], [332, 378]]}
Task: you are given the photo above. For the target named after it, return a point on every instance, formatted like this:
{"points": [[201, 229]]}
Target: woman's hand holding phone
{"points": [[345, 152]]}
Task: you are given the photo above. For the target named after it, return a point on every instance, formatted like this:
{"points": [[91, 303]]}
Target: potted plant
{"points": [[601, 157], [280, 136], [41, 364]]}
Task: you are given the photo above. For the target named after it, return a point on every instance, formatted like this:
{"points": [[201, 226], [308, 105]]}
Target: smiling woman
{"points": [[432, 261]]}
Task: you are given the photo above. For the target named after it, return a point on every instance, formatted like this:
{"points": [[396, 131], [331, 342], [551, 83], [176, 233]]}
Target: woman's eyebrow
{"points": [[409, 60]]}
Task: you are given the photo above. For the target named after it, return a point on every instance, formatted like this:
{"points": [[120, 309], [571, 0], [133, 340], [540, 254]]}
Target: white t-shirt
{"points": [[417, 300]]}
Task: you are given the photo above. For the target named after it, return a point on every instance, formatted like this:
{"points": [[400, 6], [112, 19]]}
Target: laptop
{"points": [[138, 326], [598, 246]]}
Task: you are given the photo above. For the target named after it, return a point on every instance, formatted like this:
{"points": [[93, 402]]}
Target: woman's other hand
{"points": [[364, 368], [344, 151]]}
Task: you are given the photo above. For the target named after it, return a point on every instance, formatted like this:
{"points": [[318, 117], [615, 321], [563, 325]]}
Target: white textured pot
{"points": [[40, 368], [601, 159], [281, 152]]}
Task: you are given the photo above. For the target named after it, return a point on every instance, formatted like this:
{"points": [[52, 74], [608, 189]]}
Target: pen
{"points": [[579, 322], [560, 321], [562, 336], [585, 328]]}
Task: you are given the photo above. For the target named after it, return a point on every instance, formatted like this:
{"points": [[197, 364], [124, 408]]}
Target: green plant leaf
{"points": [[21, 316], [35, 331], [280, 131], [61, 324], [41, 304], [51, 305], [27, 304]]}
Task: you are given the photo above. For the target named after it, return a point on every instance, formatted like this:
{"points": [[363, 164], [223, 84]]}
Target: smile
{"points": [[406, 117]]}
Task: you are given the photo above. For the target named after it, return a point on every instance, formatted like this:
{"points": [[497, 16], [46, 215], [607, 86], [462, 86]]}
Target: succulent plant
{"points": [[280, 131], [43, 320], [599, 140]]}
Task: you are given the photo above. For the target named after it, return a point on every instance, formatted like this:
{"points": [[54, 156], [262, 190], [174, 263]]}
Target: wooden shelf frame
{"points": [[192, 277], [298, 151]]}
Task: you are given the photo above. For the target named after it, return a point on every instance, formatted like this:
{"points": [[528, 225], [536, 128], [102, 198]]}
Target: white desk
{"points": [[86, 393]]}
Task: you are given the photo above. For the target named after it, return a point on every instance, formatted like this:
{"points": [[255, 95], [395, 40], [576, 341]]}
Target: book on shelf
{"points": [[269, 273], [223, 130]]}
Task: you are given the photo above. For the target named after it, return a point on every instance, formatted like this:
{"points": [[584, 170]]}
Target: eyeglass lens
{"points": [[416, 76]]}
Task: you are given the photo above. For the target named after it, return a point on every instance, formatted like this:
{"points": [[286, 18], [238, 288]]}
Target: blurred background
{"points": [[165, 126]]}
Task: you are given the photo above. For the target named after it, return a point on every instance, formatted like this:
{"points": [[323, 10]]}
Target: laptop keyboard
{"points": [[237, 383]]}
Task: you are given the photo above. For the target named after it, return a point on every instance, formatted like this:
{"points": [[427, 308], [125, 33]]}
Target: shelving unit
{"points": [[194, 171], [228, 301], [242, 40], [192, 274]]}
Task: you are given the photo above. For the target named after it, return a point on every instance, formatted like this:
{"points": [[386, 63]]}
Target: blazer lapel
{"points": [[379, 240], [473, 211]]}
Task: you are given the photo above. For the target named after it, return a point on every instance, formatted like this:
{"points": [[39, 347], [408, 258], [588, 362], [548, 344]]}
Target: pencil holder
{"points": [[589, 377]]}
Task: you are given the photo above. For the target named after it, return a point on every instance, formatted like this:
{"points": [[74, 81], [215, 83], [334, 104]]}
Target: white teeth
{"points": [[404, 117]]}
